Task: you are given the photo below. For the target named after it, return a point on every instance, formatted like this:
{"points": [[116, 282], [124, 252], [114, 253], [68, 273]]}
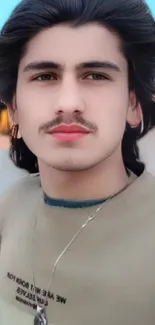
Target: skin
{"points": [[98, 97]]}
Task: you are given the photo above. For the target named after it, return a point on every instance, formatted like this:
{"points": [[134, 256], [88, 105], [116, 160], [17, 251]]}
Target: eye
{"points": [[96, 76], [45, 77]]}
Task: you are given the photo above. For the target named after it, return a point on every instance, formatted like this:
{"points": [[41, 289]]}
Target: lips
{"points": [[74, 128], [68, 133]]}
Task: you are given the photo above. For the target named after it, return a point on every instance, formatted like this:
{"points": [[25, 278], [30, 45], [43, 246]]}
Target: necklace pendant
{"points": [[40, 318]]}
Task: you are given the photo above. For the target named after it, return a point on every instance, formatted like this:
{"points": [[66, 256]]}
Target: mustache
{"points": [[67, 120]]}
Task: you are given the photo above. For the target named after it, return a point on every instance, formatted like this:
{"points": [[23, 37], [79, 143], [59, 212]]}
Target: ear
{"points": [[12, 112], [134, 113]]}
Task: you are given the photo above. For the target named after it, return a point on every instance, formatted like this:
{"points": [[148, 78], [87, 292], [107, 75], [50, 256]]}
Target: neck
{"points": [[103, 180]]}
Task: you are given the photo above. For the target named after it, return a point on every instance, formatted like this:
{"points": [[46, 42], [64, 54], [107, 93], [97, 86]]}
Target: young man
{"points": [[78, 241]]}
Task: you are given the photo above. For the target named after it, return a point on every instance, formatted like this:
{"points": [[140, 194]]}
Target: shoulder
{"points": [[9, 173], [146, 186], [21, 186], [146, 183], [140, 195], [22, 192]]}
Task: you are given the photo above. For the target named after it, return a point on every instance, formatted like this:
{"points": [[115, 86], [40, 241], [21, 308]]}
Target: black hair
{"points": [[130, 19], [2, 106]]}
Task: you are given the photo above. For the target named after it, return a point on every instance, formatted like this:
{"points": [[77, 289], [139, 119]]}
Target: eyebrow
{"points": [[44, 65], [99, 64]]}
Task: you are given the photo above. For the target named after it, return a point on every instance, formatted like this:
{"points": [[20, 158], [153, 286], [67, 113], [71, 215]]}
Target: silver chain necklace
{"points": [[41, 316]]}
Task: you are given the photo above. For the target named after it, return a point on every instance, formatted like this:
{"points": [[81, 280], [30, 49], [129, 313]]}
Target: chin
{"points": [[73, 167], [71, 163], [68, 168]]}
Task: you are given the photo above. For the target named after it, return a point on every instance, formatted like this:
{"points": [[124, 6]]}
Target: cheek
{"points": [[33, 108], [109, 110]]}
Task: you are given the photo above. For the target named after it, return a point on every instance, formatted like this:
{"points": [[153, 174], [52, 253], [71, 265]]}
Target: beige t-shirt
{"points": [[107, 277]]}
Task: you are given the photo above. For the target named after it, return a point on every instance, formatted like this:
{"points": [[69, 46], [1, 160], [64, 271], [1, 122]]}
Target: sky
{"points": [[8, 5], [6, 8]]}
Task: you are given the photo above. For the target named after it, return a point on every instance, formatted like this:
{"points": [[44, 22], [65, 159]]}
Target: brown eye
{"points": [[96, 76], [45, 77]]}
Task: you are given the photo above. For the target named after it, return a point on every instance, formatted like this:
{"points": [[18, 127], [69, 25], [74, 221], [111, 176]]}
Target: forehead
{"points": [[72, 45]]}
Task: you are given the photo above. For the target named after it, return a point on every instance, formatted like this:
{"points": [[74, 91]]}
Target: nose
{"points": [[69, 99]]}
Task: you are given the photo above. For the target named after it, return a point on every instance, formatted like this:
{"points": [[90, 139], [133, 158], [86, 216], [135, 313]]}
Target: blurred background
{"points": [[6, 8]]}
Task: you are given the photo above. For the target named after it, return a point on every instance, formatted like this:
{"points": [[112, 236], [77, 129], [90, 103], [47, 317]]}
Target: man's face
{"points": [[73, 77]]}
